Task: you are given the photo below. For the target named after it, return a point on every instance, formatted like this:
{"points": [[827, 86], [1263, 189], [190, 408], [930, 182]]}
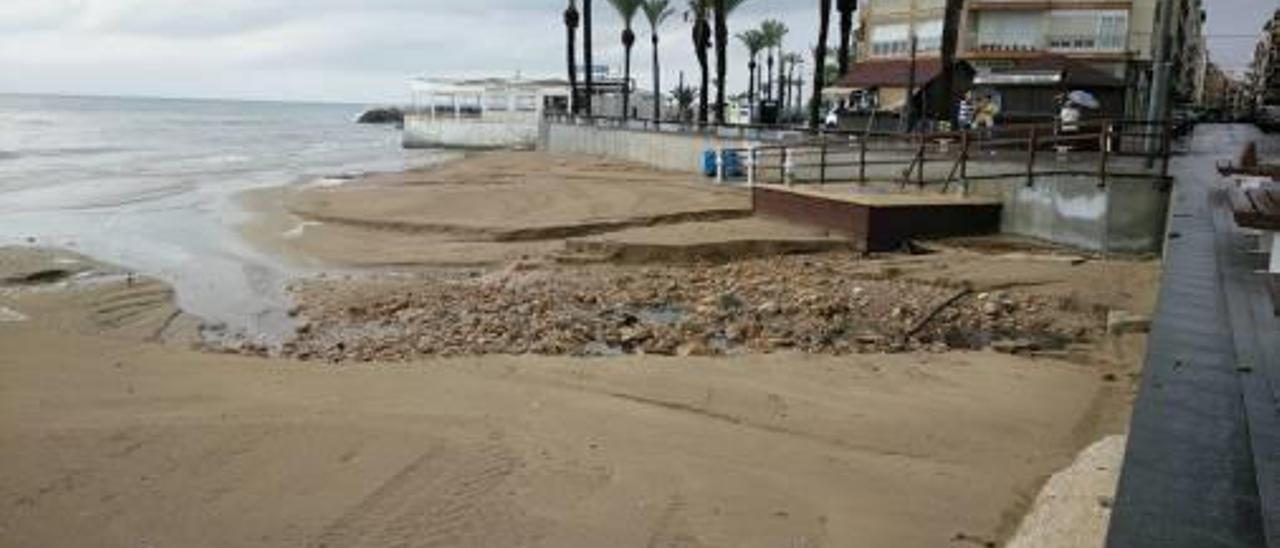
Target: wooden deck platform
{"points": [[877, 221]]}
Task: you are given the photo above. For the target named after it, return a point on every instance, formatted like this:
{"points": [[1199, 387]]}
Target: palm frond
{"points": [[753, 40], [774, 30], [626, 9], [657, 11], [730, 5]]}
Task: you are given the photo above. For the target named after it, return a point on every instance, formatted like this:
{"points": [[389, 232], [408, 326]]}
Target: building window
{"points": [[890, 40], [929, 35], [1087, 30], [1009, 31], [895, 40]]}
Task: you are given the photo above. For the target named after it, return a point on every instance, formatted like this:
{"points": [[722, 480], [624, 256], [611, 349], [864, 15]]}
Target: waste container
{"points": [[732, 163], [709, 163]]}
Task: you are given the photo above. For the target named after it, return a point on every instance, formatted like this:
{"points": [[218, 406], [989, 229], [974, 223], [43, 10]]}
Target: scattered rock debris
{"points": [[815, 303]]}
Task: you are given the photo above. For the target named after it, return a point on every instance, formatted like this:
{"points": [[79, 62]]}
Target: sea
{"points": [[151, 184]]}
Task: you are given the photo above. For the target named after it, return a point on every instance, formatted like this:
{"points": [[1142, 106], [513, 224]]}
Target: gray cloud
{"points": [[356, 50]]}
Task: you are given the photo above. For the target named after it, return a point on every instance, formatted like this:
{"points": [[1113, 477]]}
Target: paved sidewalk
{"points": [[1204, 445]]}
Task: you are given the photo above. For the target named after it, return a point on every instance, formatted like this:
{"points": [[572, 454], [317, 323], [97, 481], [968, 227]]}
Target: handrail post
{"points": [[1032, 144], [1104, 152], [782, 166], [822, 161], [924, 143], [720, 166], [862, 158], [1165, 130]]}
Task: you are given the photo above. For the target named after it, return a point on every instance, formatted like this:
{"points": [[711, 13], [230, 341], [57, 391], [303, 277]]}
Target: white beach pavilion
{"points": [[481, 113]]}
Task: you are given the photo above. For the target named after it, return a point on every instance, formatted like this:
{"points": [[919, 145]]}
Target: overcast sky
{"points": [[364, 50]]}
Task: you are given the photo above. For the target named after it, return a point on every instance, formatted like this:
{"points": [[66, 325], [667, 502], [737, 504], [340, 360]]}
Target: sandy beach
{"points": [[117, 429]]}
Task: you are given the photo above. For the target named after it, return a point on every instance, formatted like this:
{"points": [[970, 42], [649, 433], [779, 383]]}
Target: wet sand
{"points": [[108, 440], [492, 208]]}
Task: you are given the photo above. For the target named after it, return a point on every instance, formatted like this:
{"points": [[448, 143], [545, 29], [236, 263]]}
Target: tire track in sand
{"points": [[449, 496]]}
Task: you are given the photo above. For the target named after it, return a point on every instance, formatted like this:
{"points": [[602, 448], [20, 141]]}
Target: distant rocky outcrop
{"points": [[382, 115]]}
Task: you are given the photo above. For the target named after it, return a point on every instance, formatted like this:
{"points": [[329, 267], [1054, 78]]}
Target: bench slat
{"points": [[1267, 200], [1242, 207], [1267, 204]]}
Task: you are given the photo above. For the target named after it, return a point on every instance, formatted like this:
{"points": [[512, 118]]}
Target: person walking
{"points": [[964, 112]]}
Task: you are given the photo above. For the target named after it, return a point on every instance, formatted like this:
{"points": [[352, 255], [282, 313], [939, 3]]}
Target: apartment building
{"points": [[1023, 53], [1190, 54], [1029, 52], [1264, 72], [887, 64], [899, 58]]}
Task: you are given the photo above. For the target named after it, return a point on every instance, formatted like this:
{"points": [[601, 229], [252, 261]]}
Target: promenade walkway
{"points": [[1202, 468]]}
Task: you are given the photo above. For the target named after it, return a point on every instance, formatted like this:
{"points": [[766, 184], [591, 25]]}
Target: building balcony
{"points": [[995, 51], [1044, 5]]}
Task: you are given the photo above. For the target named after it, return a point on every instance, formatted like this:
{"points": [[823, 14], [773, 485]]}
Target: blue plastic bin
{"points": [[732, 163]]}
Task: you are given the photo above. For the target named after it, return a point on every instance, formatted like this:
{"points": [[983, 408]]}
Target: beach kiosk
{"points": [[481, 113]]}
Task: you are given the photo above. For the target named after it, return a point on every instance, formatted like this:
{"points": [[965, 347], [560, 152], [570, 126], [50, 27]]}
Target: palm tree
{"points": [[774, 32], [657, 12], [571, 20], [701, 41], [586, 56], [754, 41], [846, 9], [627, 10], [791, 60], [722, 10], [819, 61]]}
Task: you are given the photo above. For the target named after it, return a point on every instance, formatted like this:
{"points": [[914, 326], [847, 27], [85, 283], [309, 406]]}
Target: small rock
{"points": [[768, 308], [729, 301], [694, 347], [1013, 346], [1120, 322]]}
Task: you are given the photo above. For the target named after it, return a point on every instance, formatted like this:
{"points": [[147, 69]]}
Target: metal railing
{"points": [[1030, 151]]}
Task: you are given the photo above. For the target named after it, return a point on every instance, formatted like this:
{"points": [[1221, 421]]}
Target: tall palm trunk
{"points": [[571, 20], [782, 82], [586, 56], [767, 85], [722, 56], [657, 88], [628, 40], [751, 84], [846, 9], [701, 37], [782, 73], [819, 62]]}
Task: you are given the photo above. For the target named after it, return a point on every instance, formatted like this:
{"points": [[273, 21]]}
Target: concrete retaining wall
{"points": [[1128, 215], [671, 151], [422, 132]]}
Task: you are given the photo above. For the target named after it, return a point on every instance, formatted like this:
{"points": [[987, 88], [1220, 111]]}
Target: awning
{"points": [[897, 73], [1018, 78], [1050, 70]]}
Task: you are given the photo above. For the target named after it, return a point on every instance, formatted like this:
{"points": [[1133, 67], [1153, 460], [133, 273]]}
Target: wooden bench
{"points": [[1259, 209]]}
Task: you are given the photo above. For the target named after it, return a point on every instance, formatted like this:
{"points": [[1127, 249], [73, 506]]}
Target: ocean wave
{"points": [[58, 152]]}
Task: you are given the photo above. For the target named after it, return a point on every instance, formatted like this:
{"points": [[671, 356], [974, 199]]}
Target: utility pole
{"points": [[1158, 104], [586, 55], [908, 107]]}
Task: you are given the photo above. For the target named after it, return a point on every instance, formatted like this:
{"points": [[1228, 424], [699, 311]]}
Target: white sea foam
{"points": [[9, 315]]}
